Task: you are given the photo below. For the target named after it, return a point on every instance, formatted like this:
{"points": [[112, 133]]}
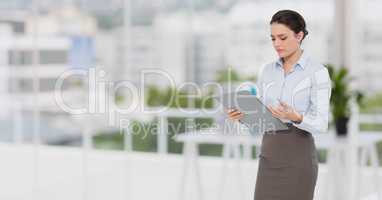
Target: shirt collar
{"points": [[301, 61]]}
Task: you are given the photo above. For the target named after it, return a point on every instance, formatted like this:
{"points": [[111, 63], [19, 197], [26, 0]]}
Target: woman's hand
{"points": [[284, 111], [234, 114]]}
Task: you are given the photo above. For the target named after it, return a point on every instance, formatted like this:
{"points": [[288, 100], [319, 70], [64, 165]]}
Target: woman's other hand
{"points": [[284, 111]]}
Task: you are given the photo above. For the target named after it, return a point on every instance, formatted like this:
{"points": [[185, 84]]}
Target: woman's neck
{"points": [[290, 60]]}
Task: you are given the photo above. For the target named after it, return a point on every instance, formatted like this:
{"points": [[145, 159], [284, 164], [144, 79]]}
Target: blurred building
{"points": [[186, 49], [29, 69], [35, 50], [208, 45], [369, 70], [129, 50], [193, 46], [48, 43], [23, 60], [67, 20]]}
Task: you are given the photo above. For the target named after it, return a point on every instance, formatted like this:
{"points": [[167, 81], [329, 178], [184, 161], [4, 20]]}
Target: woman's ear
{"points": [[299, 36]]}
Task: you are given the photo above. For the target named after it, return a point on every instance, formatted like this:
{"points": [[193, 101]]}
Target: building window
{"points": [[25, 57], [18, 27], [53, 57]]}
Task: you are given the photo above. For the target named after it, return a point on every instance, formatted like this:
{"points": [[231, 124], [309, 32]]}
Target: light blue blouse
{"points": [[306, 88]]}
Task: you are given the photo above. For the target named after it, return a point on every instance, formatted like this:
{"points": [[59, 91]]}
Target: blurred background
{"points": [[62, 136]]}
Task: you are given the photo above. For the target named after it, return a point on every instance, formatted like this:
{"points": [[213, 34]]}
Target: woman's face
{"points": [[284, 40]]}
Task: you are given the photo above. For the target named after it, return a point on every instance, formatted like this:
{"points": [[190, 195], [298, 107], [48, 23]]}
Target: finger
{"points": [[279, 109], [287, 108], [270, 109], [230, 111], [283, 104], [238, 117], [279, 112], [275, 113], [276, 116], [284, 108], [235, 114], [231, 114], [273, 109]]}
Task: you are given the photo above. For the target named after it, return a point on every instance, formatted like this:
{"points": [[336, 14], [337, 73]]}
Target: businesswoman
{"points": [[296, 89]]}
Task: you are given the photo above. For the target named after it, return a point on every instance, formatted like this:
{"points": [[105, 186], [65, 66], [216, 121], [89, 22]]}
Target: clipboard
{"points": [[257, 116]]}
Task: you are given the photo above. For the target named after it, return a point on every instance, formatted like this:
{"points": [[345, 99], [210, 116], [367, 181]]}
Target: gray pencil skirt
{"points": [[288, 166]]}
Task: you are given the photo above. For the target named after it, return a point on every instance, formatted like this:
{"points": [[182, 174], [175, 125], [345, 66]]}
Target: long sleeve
{"points": [[316, 118]]}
